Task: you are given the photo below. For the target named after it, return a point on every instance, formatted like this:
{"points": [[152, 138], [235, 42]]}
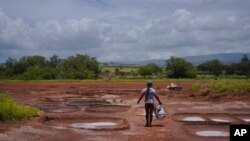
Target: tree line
{"points": [[215, 67], [180, 68], [39, 67], [86, 67]]}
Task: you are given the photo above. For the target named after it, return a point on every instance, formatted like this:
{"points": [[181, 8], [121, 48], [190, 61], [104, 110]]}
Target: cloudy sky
{"points": [[123, 30]]}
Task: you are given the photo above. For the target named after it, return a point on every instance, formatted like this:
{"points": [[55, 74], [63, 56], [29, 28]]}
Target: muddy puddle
{"points": [[107, 108], [90, 123], [47, 105], [62, 109], [62, 97], [72, 103], [93, 125], [243, 117], [222, 118], [67, 99], [246, 119], [208, 130], [215, 118], [87, 102], [184, 117], [219, 120], [55, 107], [212, 133], [109, 96], [193, 118]]}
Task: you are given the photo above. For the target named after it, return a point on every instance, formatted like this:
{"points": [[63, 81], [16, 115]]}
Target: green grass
{"points": [[11, 111], [230, 85], [195, 87], [122, 69]]}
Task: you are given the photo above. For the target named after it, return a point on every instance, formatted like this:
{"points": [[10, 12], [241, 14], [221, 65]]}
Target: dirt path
{"points": [[108, 111]]}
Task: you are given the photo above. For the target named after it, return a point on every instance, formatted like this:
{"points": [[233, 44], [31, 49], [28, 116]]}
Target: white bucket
{"points": [[159, 111]]}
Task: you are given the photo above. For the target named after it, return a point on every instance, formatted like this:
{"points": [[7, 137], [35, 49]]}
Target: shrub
{"points": [[180, 68], [149, 69]]}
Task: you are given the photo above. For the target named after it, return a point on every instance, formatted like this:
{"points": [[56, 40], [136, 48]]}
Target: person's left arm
{"points": [[157, 98]]}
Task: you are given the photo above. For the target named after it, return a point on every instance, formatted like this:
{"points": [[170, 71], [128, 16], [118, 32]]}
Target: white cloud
{"points": [[124, 30], [75, 35]]}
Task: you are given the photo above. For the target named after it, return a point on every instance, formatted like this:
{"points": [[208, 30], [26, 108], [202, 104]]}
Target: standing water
{"points": [[193, 118], [219, 120], [246, 119], [92, 125], [211, 133]]}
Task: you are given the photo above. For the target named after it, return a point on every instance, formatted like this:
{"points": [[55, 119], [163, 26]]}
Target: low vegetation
{"points": [[11, 111], [150, 70], [195, 87], [81, 67], [180, 68], [230, 85], [40, 68]]}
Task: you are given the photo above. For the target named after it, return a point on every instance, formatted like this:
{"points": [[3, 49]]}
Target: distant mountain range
{"points": [[225, 58]]}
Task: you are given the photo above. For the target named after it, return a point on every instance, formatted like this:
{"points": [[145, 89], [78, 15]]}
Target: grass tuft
{"points": [[195, 87], [11, 111], [230, 86]]}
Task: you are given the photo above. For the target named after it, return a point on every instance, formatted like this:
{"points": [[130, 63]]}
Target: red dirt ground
{"points": [[53, 97]]}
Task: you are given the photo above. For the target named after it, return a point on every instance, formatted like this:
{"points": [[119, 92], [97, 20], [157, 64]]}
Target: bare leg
{"points": [[147, 114], [151, 110]]}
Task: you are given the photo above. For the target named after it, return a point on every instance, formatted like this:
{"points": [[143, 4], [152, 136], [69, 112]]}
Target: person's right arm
{"points": [[140, 98], [142, 94]]}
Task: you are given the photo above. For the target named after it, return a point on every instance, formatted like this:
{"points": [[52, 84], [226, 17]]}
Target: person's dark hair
{"points": [[149, 84]]}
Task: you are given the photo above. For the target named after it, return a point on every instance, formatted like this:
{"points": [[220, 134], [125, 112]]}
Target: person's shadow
{"points": [[158, 125]]}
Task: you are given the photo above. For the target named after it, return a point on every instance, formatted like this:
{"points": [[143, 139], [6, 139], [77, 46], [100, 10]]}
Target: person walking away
{"points": [[149, 94]]}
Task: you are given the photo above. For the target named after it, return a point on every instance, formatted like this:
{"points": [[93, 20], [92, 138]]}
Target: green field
{"points": [[121, 68], [230, 85]]}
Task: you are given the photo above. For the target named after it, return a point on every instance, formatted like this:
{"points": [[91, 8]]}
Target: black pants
{"points": [[149, 108]]}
